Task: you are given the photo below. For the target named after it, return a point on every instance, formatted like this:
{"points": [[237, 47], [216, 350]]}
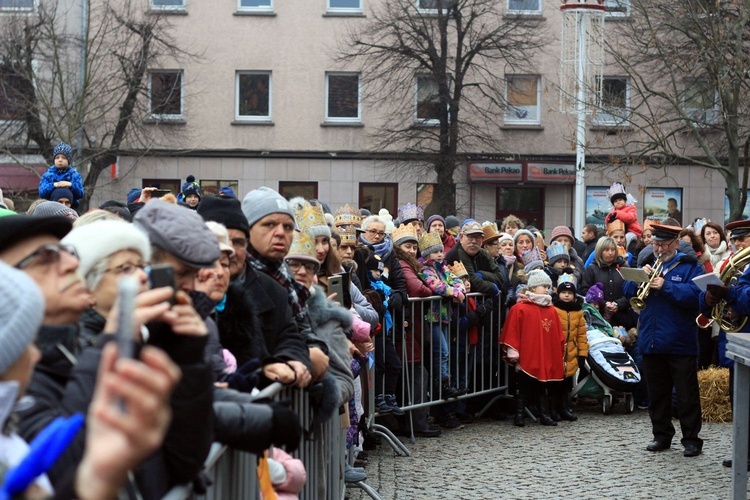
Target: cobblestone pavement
{"points": [[599, 456]]}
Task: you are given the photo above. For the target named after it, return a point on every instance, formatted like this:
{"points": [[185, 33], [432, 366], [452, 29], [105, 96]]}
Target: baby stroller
{"points": [[612, 372]]}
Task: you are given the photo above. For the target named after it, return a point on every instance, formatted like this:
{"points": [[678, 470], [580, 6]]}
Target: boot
{"points": [[545, 418], [448, 391], [518, 419], [554, 410], [565, 412]]}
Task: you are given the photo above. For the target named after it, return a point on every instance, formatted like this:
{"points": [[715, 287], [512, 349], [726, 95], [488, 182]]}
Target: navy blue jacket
{"points": [[667, 324]]}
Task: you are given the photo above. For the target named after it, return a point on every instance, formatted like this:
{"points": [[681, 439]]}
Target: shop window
{"points": [[525, 203], [376, 195], [290, 189]]}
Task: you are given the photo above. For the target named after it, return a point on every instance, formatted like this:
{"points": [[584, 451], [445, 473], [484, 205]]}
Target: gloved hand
{"points": [[611, 218], [495, 290], [286, 430], [395, 301], [479, 275], [715, 294], [246, 377]]}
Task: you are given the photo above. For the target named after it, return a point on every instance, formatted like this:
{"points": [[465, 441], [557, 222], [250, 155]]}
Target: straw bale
{"points": [[714, 389]]}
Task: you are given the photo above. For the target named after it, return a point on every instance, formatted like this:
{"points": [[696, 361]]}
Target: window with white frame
{"points": [[523, 94], [342, 98], [17, 5], [427, 100], [615, 102], [165, 94], [617, 8], [168, 4], [525, 6], [701, 102], [255, 5], [253, 96], [344, 5]]}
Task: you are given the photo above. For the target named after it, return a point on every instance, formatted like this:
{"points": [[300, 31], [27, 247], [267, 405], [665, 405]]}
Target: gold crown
{"points": [[348, 236], [309, 217], [303, 245], [615, 225], [347, 215], [404, 233], [458, 269], [430, 240]]}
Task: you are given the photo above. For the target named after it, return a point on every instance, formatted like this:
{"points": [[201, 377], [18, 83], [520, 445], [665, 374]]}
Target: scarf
{"points": [[382, 250], [509, 260], [716, 254], [543, 300], [297, 293]]}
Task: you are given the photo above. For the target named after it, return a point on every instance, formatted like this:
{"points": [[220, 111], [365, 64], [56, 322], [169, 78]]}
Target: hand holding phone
{"points": [[162, 276], [335, 285]]}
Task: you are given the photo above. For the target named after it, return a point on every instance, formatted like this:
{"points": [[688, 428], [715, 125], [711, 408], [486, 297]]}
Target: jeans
{"points": [[440, 349]]}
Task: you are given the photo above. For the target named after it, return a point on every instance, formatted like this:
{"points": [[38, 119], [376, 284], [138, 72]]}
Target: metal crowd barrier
{"points": [[233, 473], [478, 368]]}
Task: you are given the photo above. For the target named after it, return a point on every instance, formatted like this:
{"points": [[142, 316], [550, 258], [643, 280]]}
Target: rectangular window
{"points": [[701, 102], [617, 8], [290, 189], [345, 5], [255, 5], [342, 97], [168, 4], [376, 195], [523, 95], [427, 101], [432, 6], [17, 5], [211, 186], [525, 6], [165, 94], [615, 102], [253, 96], [11, 96]]}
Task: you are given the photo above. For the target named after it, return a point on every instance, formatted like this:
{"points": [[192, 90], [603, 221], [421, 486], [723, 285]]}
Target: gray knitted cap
{"points": [[21, 313], [264, 201]]}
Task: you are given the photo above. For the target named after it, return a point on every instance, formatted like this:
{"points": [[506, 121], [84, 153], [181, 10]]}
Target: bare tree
{"points": [[454, 54], [687, 64], [87, 87]]}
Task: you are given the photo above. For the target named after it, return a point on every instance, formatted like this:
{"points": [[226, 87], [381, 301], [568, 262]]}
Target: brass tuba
{"points": [[727, 320], [639, 301]]}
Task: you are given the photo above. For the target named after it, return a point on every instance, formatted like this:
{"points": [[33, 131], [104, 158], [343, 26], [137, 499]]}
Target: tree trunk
{"points": [[443, 196]]}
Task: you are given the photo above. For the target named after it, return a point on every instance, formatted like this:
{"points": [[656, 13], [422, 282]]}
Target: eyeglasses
{"points": [[372, 232], [126, 269], [473, 237], [239, 242], [310, 267], [46, 255]]}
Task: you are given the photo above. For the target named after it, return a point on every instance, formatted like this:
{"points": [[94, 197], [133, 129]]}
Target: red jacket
{"points": [[415, 287], [629, 216]]}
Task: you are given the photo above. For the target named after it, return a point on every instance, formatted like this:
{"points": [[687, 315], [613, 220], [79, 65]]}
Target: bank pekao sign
{"points": [[549, 173], [498, 172]]}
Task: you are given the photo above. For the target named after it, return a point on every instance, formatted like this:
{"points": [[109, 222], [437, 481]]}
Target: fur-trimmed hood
{"points": [[320, 310]]}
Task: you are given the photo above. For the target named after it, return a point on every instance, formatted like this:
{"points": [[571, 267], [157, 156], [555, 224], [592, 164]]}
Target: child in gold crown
{"points": [[441, 281]]}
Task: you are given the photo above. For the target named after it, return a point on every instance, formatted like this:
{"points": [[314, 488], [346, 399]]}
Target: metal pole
{"points": [[579, 214]]}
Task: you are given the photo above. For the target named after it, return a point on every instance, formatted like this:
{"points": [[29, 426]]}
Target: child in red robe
{"points": [[533, 342]]}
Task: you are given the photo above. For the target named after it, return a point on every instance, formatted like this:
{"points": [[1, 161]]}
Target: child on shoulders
{"points": [[623, 209], [61, 175]]}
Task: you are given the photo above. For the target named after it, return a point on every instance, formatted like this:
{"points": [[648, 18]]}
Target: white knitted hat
{"points": [[21, 313], [537, 277], [98, 240]]}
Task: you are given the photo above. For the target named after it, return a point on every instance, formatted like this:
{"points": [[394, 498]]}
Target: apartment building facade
{"points": [[263, 101]]}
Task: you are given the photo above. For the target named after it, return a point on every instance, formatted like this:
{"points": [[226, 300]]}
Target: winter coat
{"points": [[449, 241], [574, 330], [613, 290], [629, 216], [363, 308], [241, 423], [667, 324], [472, 317], [443, 283], [54, 174], [534, 331], [590, 247], [482, 263], [329, 321], [257, 322], [416, 288]]}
